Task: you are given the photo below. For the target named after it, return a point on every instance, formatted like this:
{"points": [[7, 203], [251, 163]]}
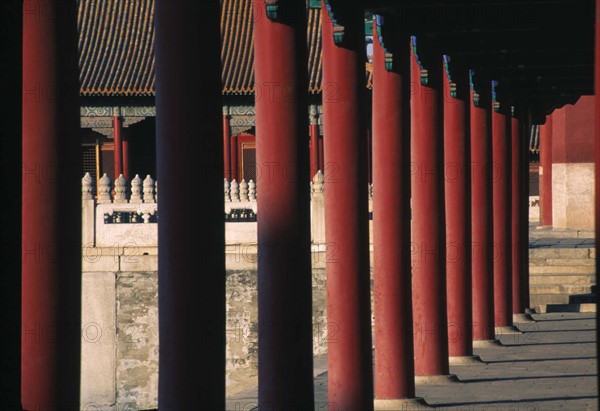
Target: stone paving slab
{"points": [[551, 366]]}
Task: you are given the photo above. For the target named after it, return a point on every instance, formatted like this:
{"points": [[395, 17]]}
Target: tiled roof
{"points": [[116, 44]]}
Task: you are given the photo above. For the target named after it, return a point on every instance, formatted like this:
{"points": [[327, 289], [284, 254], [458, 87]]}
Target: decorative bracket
{"points": [[495, 102], [272, 9], [472, 85], [447, 68], [389, 56], [339, 30], [424, 72]]}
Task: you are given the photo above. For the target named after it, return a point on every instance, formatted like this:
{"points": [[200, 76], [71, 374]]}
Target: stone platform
{"points": [[551, 366]]}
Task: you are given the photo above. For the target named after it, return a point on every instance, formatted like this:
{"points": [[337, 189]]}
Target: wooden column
{"points": [[501, 177], [350, 361], [125, 153], [118, 145], [191, 243], [481, 218], [227, 144], [394, 352], [519, 250], [285, 372], [428, 268], [51, 204], [458, 214]]}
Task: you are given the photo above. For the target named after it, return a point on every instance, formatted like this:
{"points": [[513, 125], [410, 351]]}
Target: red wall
{"points": [[573, 132]]}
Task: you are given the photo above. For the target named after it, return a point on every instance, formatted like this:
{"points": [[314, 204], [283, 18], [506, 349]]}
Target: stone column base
{"points": [[405, 404], [486, 344], [466, 360], [507, 330], [523, 318], [436, 379]]}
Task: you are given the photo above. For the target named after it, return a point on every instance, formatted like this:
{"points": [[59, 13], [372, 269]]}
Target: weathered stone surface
{"points": [[137, 339], [98, 343], [573, 195]]}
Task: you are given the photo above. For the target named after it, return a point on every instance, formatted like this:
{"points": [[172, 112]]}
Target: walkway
{"points": [[551, 366]]}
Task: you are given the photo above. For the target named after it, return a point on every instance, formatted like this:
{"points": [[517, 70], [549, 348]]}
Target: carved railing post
{"points": [[149, 190], [317, 208], [120, 190], [243, 190], [252, 191], [87, 211], [104, 190], [136, 190], [235, 191], [226, 190]]}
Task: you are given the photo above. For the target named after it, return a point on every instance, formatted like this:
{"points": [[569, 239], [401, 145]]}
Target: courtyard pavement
{"points": [[551, 366]]}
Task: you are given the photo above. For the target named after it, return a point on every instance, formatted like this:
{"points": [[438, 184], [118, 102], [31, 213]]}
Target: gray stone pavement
{"points": [[551, 366]]}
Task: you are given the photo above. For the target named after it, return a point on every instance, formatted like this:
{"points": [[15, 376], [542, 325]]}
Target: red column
{"points": [[125, 145], [597, 158], [51, 184], [501, 176], [118, 144], [191, 263], [546, 173], [227, 143], [234, 157], [285, 372], [518, 248], [429, 285], [481, 222], [394, 362], [525, 219], [458, 221], [350, 363], [314, 141]]}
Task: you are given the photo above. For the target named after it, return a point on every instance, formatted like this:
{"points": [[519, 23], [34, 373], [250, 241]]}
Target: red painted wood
{"points": [[118, 145], [125, 145], [350, 363], [285, 372], [501, 178], [524, 232], [546, 172], [227, 147], [429, 285], [394, 362], [519, 250], [597, 158], [458, 225], [51, 202], [481, 225], [234, 158], [191, 263]]}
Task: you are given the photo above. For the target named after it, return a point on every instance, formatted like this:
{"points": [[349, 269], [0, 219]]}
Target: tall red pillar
{"points": [[546, 173], [125, 145], [314, 141], [226, 144], [501, 178], [481, 219], [458, 218], [597, 158], [118, 144], [234, 157], [524, 232], [285, 372], [350, 361], [519, 249], [51, 187], [191, 243], [394, 352], [428, 266]]}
